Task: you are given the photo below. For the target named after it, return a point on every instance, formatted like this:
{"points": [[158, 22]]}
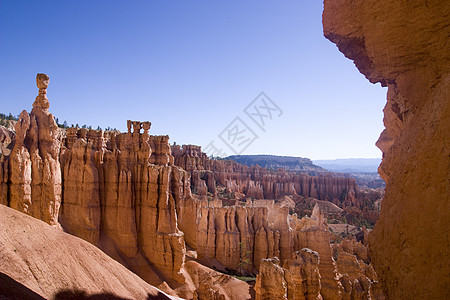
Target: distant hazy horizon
{"points": [[349, 164], [195, 70]]}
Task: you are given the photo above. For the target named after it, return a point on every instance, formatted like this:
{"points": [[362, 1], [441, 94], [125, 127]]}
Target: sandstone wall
{"points": [[238, 237], [405, 46], [337, 271], [260, 183], [115, 190], [112, 189], [120, 192], [35, 172], [299, 280]]}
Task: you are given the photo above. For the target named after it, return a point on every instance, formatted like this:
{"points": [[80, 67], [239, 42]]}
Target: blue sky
{"points": [[191, 67]]}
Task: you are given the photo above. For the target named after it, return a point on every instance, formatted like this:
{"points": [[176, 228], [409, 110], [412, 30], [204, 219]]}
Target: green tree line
{"points": [[5, 120]]}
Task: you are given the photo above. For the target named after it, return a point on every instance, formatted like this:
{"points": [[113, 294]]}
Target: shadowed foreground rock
{"points": [[405, 46]]}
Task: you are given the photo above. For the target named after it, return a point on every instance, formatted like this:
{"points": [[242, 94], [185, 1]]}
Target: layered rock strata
{"points": [[111, 187], [405, 46], [34, 167], [244, 239], [229, 181], [256, 182]]}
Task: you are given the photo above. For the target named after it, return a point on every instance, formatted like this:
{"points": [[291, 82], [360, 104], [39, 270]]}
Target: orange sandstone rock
{"points": [[123, 193], [34, 161], [297, 279], [256, 182], [404, 46]]}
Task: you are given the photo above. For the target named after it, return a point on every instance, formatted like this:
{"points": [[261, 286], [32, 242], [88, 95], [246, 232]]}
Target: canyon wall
{"points": [[404, 45], [118, 191], [209, 175], [230, 181], [123, 193]]}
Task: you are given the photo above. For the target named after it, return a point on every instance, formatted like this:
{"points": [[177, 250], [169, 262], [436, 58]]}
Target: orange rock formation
{"points": [[309, 274], [405, 46], [256, 182], [34, 161], [123, 193], [299, 279], [119, 191]]}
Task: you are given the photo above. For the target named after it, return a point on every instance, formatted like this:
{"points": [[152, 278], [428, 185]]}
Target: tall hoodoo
{"points": [[42, 82], [405, 46], [34, 162]]}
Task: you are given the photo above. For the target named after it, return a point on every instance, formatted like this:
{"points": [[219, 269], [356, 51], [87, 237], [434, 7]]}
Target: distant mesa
{"points": [[275, 162]]}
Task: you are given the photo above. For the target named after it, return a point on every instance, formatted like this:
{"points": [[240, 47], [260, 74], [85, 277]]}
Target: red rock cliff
{"points": [[405, 46]]}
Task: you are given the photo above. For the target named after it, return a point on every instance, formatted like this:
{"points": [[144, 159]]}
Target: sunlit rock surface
{"points": [[123, 193]]}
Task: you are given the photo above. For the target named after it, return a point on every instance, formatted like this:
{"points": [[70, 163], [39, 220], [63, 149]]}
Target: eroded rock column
{"points": [[35, 167]]}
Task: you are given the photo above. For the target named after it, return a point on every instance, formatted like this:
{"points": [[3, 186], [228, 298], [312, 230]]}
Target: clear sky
{"points": [[191, 68]]}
